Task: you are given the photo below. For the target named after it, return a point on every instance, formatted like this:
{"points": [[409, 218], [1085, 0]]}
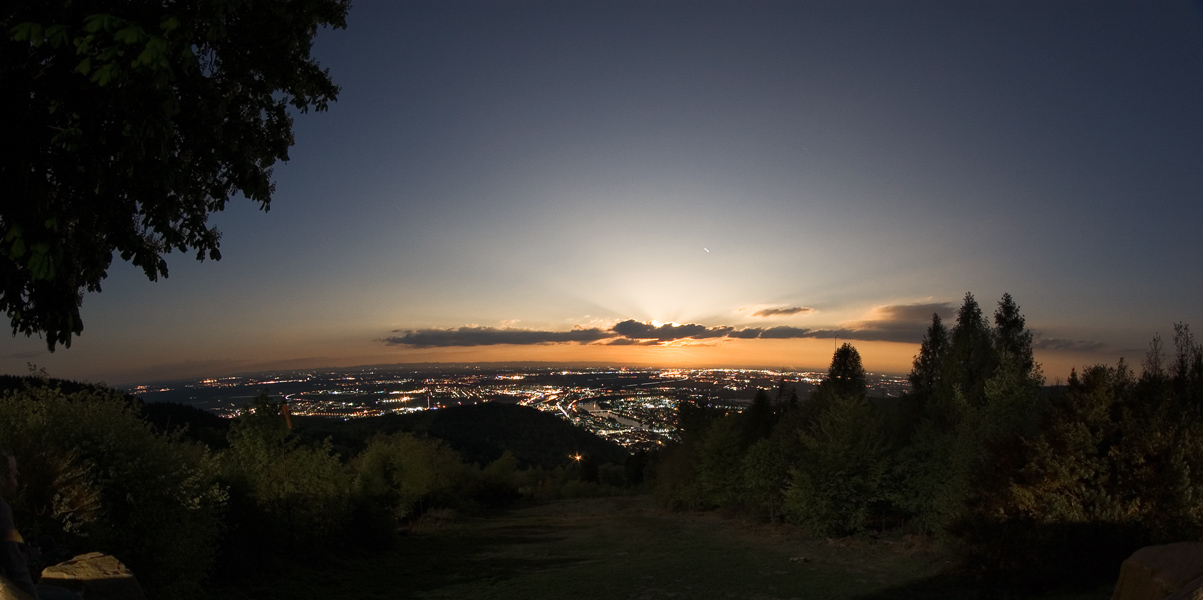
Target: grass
{"points": [[621, 548]]}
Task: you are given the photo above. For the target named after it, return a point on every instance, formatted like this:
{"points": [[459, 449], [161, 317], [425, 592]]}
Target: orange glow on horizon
{"points": [[804, 354], [796, 354]]}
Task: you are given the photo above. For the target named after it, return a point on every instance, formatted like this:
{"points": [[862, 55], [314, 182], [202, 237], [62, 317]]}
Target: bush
{"points": [[675, 484], [406, 475], [98, 478], [283, 494], [840, 482]]}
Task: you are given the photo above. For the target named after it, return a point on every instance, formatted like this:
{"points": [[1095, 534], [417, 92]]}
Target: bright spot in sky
{"points": [[706, 249]]}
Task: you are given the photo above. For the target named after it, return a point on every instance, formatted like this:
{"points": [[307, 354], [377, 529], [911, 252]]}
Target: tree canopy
{"points": [[846, 374], [925, 375], [128, 124]]}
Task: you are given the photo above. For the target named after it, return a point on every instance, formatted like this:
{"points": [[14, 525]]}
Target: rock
{"points": [[1162, 572], [95, 576], [8, 591]]}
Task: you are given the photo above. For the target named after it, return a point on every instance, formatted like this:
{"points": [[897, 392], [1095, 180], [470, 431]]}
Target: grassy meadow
{"points": [[620, 547]]}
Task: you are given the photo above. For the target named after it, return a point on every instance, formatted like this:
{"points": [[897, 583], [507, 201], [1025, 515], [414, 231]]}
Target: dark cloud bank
{"points": [[782, 312], [900, 323]]}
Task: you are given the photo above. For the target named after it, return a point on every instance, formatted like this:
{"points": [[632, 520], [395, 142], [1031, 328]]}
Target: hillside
{"points": [[481, 432]]}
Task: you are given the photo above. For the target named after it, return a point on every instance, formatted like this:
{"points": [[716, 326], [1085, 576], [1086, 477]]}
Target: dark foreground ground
{"points": [[622, 548]]}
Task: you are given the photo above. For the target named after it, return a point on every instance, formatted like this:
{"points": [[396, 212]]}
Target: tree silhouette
{"points": [[925, 372], [1011, 339], [846, 376], [971, 358], [128, 124]]}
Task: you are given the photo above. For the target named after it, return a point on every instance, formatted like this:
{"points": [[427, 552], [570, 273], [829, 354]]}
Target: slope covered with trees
{"points": [[482, 432], [102, 472], [1032, 484]]}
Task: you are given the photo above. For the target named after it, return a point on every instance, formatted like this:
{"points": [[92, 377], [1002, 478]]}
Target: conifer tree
{"points": [[971, 358], [840, 479], [1012, 341], [846, 375], [925, 372], [757, 419], [1187, 370]]}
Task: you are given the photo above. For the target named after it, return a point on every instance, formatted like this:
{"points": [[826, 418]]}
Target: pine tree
{"points": [[1011, 340], [925, 372], [971, 358], [757, 420], [846, 375]]}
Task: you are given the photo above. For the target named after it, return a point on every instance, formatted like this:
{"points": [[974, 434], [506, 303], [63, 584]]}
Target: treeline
{"points": [[179, 505], [1033, 485]]}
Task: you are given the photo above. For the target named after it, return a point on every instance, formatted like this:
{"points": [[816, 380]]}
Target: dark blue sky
{"points": [[540, 166]]}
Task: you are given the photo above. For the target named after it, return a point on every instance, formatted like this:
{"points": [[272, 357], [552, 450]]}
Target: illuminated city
{"points": [[636, 408]]}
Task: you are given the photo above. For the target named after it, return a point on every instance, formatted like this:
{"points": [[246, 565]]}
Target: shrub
{"points": [[675, 484], [842, 476], [98, 478], [406, 475], [282, 493]]}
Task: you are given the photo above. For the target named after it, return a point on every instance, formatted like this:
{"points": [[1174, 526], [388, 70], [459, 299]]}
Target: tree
{"points": [[1187, 370], [971, 358], [757, 419], [846, 376], [1011, 339], [841, 480], [128, 124], [925, 373]]}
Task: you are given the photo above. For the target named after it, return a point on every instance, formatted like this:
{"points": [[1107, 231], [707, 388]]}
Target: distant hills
{"points": [[481, 433]]}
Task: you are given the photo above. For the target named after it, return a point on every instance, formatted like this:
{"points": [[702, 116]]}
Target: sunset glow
{"points": [[677, 185]]}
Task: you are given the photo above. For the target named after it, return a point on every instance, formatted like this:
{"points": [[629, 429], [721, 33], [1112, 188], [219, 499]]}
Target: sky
{"points": [[711, 184]]}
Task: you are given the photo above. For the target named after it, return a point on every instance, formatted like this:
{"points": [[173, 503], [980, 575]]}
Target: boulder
{"points": [[95, 576], [9, 591], [1172, 571]]}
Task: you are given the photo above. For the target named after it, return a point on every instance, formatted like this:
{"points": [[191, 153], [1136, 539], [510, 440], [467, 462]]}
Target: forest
{"points": [[1025, 482], [1029, 483]]}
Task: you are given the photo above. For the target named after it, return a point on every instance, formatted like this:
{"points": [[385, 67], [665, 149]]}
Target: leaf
{"points": [[22, 32], [95, 23], [83, 44], [36, 36], [84, 67], [130, 35], [105, 74], [56, 35], [145, 57]]}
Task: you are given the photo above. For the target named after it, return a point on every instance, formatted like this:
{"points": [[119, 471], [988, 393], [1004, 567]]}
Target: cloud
{"points": [[491, 336], [785, 333], [629, 342], [918, 312], [669, 331], [1070, 345], [782, 312], [749, 333], [895, 323]]}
